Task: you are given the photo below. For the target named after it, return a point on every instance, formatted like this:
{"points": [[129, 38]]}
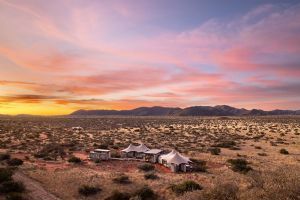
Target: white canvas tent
{"points": [[135, 151], [175, 161]]}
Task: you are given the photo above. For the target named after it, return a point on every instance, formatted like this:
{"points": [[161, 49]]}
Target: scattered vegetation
{"points": [[121, 179], [87, 190], [239, 165], [146, 167], [186, 186]]}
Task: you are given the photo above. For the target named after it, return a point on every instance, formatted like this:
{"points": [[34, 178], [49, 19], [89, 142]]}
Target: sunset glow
{"points": [[62, 55]]}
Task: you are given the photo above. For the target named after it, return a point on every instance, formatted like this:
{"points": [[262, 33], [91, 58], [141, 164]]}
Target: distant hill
{"points": [[220, 110]]}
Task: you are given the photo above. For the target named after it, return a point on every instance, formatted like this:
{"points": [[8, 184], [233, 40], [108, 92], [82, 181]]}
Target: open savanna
{"points": [[46, 143]]}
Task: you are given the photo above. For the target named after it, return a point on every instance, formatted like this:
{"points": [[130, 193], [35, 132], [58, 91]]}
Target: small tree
{"points": [[283, 151], [74, 159]]}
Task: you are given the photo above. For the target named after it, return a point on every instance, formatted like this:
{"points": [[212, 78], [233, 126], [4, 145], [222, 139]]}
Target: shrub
{"points": [[199, 165], [186, 186], [12, 186], [262, 154], [239, 165], [14, 196], [4, 156], [122, 179], [146, 167], [14, 162], [74, 159], [116, 195], [145, 193], [5, 174], [86, 190], [214, 151], [151, 176], [283, 151]]}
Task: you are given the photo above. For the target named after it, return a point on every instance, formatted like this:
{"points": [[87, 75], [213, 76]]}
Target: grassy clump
{"points": [[87, 190], [186, 186], [145, 193], [74, 159], [122, 179], [151, 176], [146, 167], [14, 162], [239, 165], [199, 165], [4, 156], [116, 195], [284, 151]]}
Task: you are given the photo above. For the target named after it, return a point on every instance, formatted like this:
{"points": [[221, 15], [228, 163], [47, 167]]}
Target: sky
{"points": [[59, 56]]}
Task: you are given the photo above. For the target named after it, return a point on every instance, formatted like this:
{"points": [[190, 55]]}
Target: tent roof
{"points": [[177, 159], [129, 148], [141, 148], [154, 151]]}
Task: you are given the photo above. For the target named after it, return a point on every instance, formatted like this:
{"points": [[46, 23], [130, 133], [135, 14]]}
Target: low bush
{"points": [[146, 167], [74, 159], [283, 151], [87, 190], [5, 174], [186, 186], [4, 156], [116, 195], [151, 176], [199, 165], [122, 179], [14, 196], [14, 162], [239, 165], [12, 186], [145, 193]]}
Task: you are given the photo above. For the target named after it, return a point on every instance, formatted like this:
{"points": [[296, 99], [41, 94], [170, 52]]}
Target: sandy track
{"points": [[36, 191]]}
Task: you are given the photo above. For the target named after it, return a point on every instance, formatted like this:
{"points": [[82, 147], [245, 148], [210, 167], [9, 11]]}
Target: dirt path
{"points": [[36, 191]]}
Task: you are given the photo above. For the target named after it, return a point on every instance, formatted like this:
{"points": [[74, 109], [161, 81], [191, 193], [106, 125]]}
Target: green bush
{"points": [[145, 193], [186, 186], [74, 159], [5, 174], [14, 162], [146, 167], [12, 186], [283, 151], [122, 179], [4, 156], [116, 195], [239, 165], [151, 176], [87, 190]]}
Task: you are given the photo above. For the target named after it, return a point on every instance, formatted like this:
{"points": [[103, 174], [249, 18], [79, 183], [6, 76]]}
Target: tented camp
{"points": [[100, 154], [175, 161], [133, 151], [152, 155]]}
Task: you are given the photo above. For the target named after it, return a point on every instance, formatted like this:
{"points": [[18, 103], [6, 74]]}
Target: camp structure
{"points": [[100, 154], [152, 155], [175, 161], [133, 151]]}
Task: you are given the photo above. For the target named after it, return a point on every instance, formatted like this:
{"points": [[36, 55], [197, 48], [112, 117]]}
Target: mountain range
{"points": [[220, 110]]}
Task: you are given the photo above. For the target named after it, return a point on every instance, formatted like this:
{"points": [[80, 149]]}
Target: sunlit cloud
{"points": [[60, 56]]}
